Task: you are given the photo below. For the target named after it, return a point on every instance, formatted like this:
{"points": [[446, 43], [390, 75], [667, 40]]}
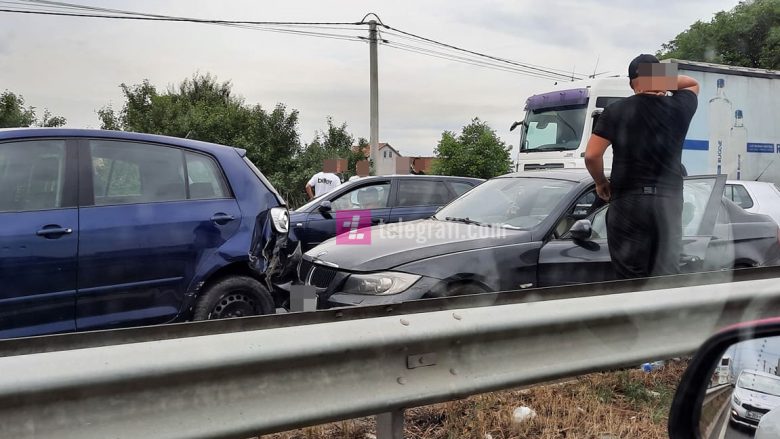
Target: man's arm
{"points": [[309, 191], [687, 83], [594, 161]]}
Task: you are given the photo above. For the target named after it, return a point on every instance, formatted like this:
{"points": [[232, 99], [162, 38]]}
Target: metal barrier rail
{"points": [[211, 327], [237, 385], [715, 404]]}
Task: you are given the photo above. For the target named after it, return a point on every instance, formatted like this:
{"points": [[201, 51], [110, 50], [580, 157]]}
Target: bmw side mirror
{"points": [[581, 230], [325, 208]]}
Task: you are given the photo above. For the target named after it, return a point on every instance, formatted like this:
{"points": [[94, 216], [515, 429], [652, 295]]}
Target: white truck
{"points": [[736, 129]]}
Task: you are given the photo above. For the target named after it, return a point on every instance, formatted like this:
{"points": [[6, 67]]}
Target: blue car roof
{"points": [[24, 133]]}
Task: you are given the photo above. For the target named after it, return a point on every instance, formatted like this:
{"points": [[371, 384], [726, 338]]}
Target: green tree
{"points": [[748, 35], [14, 114], [334, 142], [475, 152], [203, 108]]}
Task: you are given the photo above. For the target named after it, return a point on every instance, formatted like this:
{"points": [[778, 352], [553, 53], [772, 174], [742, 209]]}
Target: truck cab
{"points": [[558, 123]]}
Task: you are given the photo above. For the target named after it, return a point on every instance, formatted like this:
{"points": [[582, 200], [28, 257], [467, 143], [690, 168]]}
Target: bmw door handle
{"points": [[222, 218], [53, 231]]}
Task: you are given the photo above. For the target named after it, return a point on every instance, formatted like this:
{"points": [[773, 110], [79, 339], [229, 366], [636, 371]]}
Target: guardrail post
{"points": [[390, 425]]}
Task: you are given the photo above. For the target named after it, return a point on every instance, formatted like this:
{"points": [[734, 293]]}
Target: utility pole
{"points": [[374, 78]]}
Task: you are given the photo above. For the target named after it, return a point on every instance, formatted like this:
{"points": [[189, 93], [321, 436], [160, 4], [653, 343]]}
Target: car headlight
{"points": [[379, 283], [737, 401], [280, 218]]}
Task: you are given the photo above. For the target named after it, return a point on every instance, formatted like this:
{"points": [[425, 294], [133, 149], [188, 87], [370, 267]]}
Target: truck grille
{"points": [[536, 167]]}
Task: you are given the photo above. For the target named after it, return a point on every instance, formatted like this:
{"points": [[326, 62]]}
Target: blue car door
{"points": [[39, 237], [418, 198], [150, 213]]}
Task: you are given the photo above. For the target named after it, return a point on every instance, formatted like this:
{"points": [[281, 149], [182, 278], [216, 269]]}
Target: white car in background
{"points": [[755, 394], [755, 197]]}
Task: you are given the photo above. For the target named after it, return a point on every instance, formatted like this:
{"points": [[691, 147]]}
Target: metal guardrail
{"points": [[241, 384], [211, 327], [715, 404]]}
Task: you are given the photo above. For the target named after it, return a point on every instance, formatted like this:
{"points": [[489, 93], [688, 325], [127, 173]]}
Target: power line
{"points": [[173, 19], [473, 59], [57, 5], [545, 70], [465, 60], [559, 72], [314, 29]]}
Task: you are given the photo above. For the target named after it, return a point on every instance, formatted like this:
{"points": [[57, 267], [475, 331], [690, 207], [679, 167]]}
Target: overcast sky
{"points": [[73, 66]]}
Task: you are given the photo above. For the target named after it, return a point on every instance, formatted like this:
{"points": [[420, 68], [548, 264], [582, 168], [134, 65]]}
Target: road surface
{"points": [[727, 431]]}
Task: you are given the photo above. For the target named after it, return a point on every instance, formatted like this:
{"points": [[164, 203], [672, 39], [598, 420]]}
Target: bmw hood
{"points": [[390, 245]]}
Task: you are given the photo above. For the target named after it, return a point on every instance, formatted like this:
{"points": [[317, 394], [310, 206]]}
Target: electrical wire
{"points": [[564, 73], [466, 60], [328, 30], [449, 46]]}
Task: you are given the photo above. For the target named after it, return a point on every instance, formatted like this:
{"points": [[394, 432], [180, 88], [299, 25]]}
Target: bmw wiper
{"points": [[465, 220]]}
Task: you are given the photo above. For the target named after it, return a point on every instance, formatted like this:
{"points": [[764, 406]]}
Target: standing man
{"points": [[322, 183], [646, 131]]}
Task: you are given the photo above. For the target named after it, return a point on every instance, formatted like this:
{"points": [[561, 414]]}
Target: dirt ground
{"points": [[619, 404]]}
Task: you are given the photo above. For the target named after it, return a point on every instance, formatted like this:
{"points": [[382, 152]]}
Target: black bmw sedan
{"points": [[519, 231]]}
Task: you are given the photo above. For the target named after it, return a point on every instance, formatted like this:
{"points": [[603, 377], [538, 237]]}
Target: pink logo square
{"points": [[352, 227]]}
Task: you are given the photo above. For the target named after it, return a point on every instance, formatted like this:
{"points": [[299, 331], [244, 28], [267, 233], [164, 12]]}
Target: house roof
{"points": [[382, 145]]}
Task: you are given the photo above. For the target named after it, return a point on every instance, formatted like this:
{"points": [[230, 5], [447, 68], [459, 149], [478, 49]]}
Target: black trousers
{"points": [[644, 234]]}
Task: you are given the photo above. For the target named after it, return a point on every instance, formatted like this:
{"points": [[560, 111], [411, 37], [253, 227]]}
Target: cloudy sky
{"points": [[73, 66]]}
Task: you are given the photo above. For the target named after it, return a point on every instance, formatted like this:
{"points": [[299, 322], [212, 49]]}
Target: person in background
{"points": [[646, 131], [368, 198], [322, 183]]}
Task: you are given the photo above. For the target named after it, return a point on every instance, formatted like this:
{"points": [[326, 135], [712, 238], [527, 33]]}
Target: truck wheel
{"points": [[234, 296]]}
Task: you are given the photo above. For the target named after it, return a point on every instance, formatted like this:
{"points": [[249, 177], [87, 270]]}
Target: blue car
{"points": [[104, 229], [389, 199]]}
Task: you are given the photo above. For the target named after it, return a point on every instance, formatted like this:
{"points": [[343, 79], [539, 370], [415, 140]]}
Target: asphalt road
{"points": [[727, 431], [733, 433]]}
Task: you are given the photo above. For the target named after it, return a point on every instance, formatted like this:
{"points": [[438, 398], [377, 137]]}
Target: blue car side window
{"points": [[32, 175]]}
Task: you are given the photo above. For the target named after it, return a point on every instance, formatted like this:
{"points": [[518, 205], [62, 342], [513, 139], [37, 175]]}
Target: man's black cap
{"points": [[633, 68]]}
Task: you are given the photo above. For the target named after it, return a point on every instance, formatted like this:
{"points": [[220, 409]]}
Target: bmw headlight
{"points": [[280, 219], [737, 401], [383, 283]]}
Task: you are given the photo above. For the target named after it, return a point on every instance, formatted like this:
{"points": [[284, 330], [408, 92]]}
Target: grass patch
{"points": [[605, 405]]}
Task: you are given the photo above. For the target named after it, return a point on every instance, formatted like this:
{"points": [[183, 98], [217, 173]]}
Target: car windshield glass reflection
{"points": [[757, 383], [508, 202]]}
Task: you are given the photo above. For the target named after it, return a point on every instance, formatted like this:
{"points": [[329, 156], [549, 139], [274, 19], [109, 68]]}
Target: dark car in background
{"points": [[521, 231], [389, 199], [104, 229]]}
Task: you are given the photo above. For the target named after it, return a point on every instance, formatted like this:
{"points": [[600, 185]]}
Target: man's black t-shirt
{"points": [[647, 134]]}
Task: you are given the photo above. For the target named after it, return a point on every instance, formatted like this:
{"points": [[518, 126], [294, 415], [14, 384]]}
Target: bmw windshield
{"points": [[520, 203]]}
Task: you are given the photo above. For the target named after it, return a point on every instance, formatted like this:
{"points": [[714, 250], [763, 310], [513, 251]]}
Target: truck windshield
{"points": [[554, 129]]}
